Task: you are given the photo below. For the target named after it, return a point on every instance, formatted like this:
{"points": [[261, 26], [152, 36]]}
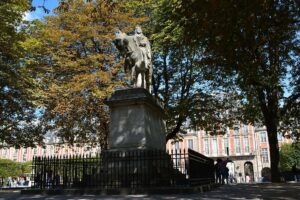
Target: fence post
{"points": [[33, 171]]}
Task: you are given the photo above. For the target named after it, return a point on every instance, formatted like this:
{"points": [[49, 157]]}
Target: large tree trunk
{"points": [[269, 107], [274, 151]]}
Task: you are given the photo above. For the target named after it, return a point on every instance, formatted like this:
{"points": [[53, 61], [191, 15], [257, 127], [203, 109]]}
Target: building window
{"points": [[226, 147], [206, 146], [236, 131], [24, 158], [5, 153], [264, 155], [87, 148], [245, 130], [176, 155], [77, 150], [25, 155], [56, 149], [214, 147], [263, 137], [176, 146], [237, 145], [246, 144], [15, 155], [190, 144]]}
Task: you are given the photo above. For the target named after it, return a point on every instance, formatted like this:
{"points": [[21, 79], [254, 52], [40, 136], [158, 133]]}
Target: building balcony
{"points": [[234, 157]]}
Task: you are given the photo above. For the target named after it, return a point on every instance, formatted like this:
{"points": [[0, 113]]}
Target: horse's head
{"points": [[119, 41], [125, 44], [119, 45]]}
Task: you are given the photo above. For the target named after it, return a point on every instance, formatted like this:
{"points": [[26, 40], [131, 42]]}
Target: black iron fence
{"points": [[115, 169], [201, 168]]}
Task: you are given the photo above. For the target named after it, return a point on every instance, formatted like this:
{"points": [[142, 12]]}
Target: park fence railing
{"points": [[116, 169]]}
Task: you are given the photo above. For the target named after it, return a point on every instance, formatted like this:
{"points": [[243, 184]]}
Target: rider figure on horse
{"points": [[143, 42], [137, 52]]}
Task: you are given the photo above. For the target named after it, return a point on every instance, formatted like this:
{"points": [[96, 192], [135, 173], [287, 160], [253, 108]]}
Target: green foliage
{"points": [[9, 168], [16, 85], [77, 67], [289, 156], [241, 46], [250, 48], [178, 75]]}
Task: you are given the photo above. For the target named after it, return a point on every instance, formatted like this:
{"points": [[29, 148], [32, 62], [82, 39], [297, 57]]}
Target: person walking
{"points": [[295, 171], [218, 171], [224, 172]]}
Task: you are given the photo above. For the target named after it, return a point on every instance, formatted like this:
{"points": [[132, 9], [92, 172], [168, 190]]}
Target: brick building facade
{"points": [[50, 149], [245, 147]]}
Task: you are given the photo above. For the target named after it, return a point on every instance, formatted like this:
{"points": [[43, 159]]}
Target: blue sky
{"points": [[39, 13]]}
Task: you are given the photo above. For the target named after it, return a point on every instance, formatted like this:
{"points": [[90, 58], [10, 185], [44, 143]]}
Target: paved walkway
{"points": [[287, 191]]}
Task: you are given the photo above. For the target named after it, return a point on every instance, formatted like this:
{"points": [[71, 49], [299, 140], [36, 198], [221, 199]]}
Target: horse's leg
{"points": [[149, 78], [139, 81], [142, 76], [138, 73], [133, 76]]}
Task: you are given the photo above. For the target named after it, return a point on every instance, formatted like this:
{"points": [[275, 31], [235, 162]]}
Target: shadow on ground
{"points": [[287, 191], [256, 191]]}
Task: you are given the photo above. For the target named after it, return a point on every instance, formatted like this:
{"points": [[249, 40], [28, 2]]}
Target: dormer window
{"points": [[236, 130]]}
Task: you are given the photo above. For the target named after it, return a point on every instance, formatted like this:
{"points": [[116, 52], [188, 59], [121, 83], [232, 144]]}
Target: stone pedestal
{"points": [[136, 156], [136, 121]]}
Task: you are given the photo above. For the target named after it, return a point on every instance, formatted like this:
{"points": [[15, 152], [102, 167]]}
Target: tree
{"points": [[9, 168], [78, 67], [289, 156], [177, 78], [255, 45], [186, 95], [17, 107]]}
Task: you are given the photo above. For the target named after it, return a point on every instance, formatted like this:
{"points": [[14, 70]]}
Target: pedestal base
{"points": [[136, 168], [136, 120]]}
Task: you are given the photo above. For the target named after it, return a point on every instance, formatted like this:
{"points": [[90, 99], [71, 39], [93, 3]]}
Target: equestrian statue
{"points": [[137, 53]]}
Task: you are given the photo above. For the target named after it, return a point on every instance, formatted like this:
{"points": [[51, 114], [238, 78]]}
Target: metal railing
{"points": [[201, 168], [116, 169]]}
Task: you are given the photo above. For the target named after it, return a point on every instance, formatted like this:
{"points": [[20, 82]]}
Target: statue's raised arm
{"points": [[136, 50]]}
